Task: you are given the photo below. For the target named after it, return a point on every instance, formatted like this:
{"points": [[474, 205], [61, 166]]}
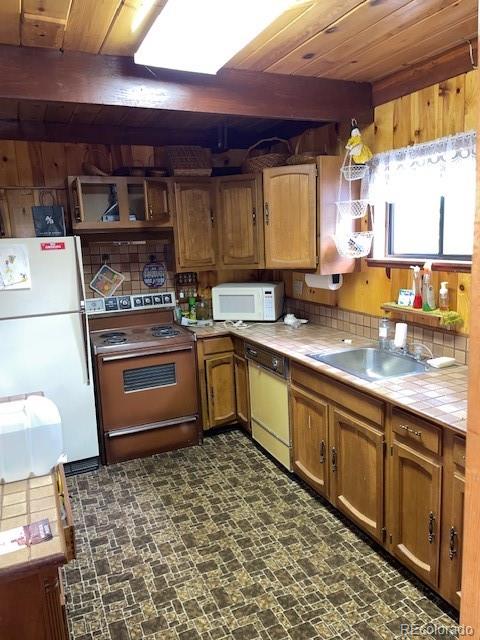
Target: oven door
{"points": [[147, 388]]}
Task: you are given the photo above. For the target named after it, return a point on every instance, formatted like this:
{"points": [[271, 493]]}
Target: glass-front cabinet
{"points": [[116, 203]]}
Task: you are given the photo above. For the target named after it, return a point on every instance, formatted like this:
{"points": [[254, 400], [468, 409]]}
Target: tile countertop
{"points": [[438, 394]]}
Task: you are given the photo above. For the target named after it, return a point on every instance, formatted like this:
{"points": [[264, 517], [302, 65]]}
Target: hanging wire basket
{"points": [[356, 244], [352, 208], [353, 172]]}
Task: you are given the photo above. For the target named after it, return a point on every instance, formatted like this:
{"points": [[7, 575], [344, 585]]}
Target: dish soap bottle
{"points": [[443, 297], [428, 291], [417, 287]]}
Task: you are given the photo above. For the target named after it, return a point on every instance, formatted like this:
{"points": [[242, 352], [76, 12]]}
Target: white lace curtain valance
{"points": [[427, 170]]}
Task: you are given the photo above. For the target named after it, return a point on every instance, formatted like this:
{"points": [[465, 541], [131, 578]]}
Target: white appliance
{"points": [[267, 376], [44, 341], [257, 301]]}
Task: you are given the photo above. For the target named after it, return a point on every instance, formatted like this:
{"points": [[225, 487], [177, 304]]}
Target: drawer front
{"points": [[217, 345], [351, 399], [459, 452], [417, 431]]}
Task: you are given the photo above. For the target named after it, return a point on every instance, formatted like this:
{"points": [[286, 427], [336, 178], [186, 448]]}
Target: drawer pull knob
{"points": [[431, 526], [452, 551], [334, 459], [322, 452], [414, 432]]}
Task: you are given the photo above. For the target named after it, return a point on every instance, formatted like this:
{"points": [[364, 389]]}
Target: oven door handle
{"points": [[151, 352], [149, 427]]}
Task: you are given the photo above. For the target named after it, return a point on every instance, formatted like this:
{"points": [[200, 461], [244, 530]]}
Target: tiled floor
{"points": [[217, 542]]}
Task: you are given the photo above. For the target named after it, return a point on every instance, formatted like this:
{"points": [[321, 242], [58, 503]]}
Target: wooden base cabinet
{"points": [[415, 499], [242, 399], [216, 378], [310, 439], [357, 459]]}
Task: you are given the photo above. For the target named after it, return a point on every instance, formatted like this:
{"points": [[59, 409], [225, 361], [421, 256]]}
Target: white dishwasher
{"points": [[267, 373]]}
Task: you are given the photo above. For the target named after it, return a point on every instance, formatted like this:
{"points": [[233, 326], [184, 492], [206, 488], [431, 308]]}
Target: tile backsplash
{"points": [[441, 342], [129, 258]]}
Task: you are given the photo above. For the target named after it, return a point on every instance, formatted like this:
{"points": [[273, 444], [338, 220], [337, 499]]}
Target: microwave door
{"points": [[244, 305]]}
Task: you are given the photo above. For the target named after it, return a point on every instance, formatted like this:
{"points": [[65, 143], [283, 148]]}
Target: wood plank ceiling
{"points": [[363, 40]]}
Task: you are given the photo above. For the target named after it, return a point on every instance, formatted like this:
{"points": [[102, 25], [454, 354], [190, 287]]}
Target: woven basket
{"points": [[265, 160], [352, 208], [353, 172], [355, 244], [186, 160], [302, 157]]}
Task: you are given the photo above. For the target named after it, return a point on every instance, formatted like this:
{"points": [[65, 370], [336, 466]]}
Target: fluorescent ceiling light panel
{"points": [[202, 35]]}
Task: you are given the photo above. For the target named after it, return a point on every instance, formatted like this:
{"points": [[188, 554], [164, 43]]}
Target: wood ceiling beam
{"points": [[35, 131], [441, 67], [83, 78]]}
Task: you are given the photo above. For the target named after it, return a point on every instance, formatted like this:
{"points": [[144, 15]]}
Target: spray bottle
{"points": [[417, 288], [428, 290]]}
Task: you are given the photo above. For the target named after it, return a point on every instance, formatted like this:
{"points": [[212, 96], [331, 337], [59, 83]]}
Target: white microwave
{"points": [[256, 301]]}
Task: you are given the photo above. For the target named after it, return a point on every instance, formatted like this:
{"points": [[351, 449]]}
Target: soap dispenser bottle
{"points": [[417, 287], [443, 301]]}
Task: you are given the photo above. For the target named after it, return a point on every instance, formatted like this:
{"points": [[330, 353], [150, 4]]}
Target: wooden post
{"points": [[470, 603]]}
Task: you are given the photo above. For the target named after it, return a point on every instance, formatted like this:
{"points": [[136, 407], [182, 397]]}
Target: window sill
{"points": [[455, 266]]}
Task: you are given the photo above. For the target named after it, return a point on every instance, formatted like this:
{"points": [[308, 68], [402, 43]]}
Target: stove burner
{"points": [[114, 337], [164, 331]]}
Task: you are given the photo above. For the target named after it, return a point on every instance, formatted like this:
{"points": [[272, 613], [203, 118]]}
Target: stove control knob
{"points": [[167, 298], [275, 363], [147, 300], [157, 299], [125, 302], [138, 301]]}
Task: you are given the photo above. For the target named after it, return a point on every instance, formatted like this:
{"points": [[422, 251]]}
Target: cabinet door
{"points": [[194, 225], [357, 462], [456, 536], [310, 439], [5, 230], [241, 391], [158, 205], [240, 222], [415, 495], [221, 389], [290, 213]]}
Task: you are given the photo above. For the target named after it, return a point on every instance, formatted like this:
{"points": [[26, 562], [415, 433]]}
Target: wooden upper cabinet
{"points": [[221, 389], [310, 439], [194, 219], [415, 495], [118, 203], [357, 471], [290, 211], [240, 221], [158, 202]]}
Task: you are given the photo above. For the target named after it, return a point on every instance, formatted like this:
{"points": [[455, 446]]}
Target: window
{"points": [[424, 197]]}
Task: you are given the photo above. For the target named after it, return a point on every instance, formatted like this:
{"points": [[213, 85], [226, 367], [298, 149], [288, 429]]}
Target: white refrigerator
{"points": [[44, 339]]}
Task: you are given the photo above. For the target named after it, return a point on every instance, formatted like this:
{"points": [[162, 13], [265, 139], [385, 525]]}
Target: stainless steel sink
{"points": [[372, 364]]}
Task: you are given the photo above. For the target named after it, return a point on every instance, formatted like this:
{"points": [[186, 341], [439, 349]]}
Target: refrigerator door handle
{"points": [[83, 313]]}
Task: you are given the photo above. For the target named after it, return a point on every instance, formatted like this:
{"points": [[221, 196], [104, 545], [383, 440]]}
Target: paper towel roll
{"points": [[322, 282]]}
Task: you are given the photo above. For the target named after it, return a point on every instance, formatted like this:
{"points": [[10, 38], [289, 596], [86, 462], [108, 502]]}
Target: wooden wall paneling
{"points": [[8, 165], [465, 300], [142, 155], [451, 106], [424, 108], [131, 23], [88, 24], [5, 226], [402, 122], [20, 202], [471, 100], [24, 164], [303, 25], [52, 8], [10, 22], [329, 43], [75, 154], [59, 112], [54, 164], [42, 31], [423, 39]]}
